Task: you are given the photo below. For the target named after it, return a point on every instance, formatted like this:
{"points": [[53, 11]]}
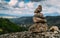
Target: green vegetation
{"points": [[7, 26]]}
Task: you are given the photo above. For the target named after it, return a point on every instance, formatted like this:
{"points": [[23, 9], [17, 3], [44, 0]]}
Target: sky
{"points": [[26, 7]]}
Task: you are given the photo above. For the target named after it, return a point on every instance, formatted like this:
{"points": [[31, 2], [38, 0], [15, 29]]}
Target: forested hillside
{"points": [[7, 26]]}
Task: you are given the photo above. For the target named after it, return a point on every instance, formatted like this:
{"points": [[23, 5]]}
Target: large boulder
{"points": [[39, 9], [54, 29], [39, 20], [38, 27], [39, 15]]}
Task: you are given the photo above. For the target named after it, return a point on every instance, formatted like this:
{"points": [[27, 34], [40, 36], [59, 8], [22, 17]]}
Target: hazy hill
{"points": [[51, 20], [23, 20]]}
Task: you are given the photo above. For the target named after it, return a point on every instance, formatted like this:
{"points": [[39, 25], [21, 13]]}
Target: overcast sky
{"points": [[27, 7]]}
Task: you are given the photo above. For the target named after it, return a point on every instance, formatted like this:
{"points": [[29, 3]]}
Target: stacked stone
{"points": [[39, 20]]}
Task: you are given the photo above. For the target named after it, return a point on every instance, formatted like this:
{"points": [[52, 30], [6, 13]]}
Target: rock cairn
{"points": [[40, 23]]}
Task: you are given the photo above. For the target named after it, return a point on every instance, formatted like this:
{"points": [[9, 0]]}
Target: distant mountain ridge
{"points": [[7, 16], [23, 20], [51, 20], [52, 14]]}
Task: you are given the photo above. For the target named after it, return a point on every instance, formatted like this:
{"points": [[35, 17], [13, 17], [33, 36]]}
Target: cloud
{"points": [[21, 4], [22, 9], [13, 2], [11, 12], [50, 6], [8, 17], [30, 5]]}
